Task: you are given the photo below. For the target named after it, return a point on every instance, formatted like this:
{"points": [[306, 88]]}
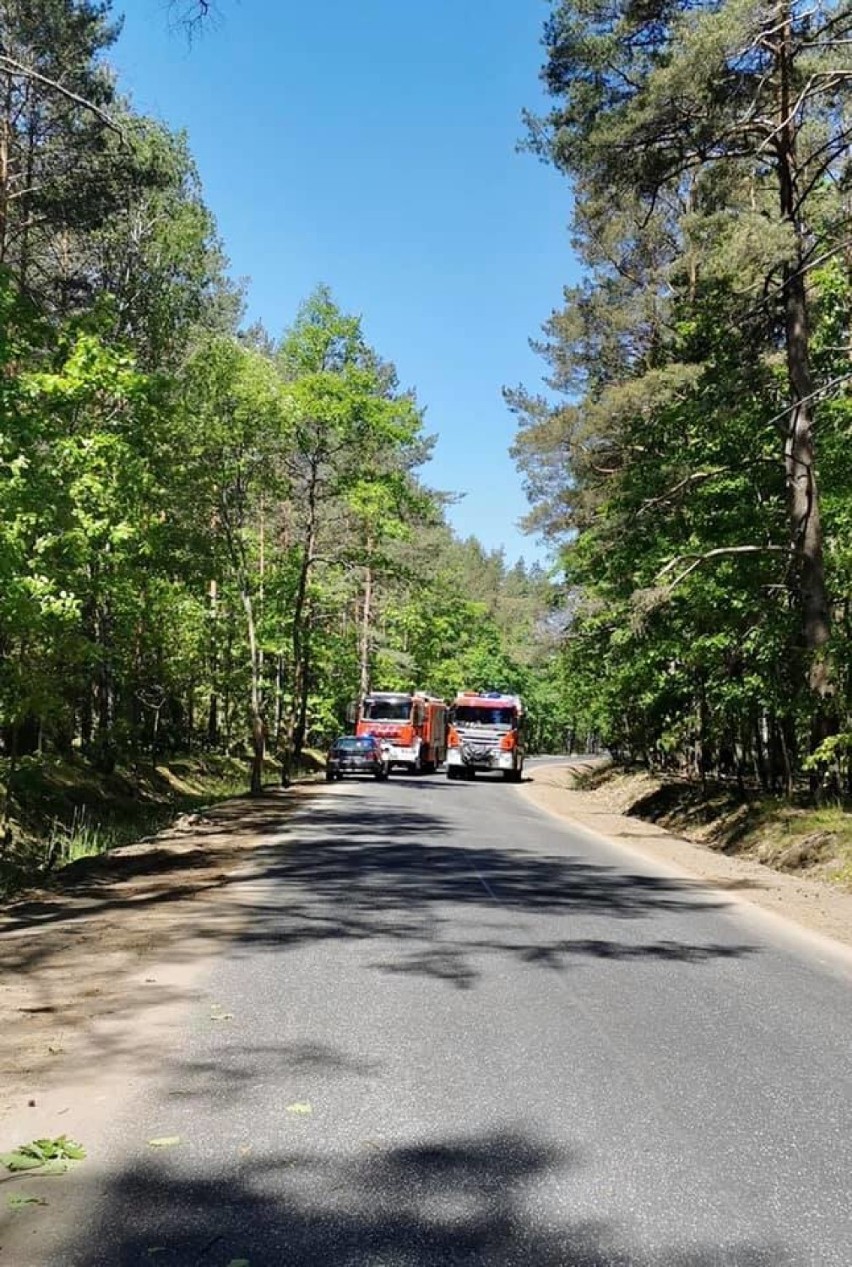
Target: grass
{"points": [[60, 810], [793, 836]]}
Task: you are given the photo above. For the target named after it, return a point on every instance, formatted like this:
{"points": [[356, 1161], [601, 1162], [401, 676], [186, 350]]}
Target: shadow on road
{"points": [[436, 906], [400, 881], [472, 1200]]}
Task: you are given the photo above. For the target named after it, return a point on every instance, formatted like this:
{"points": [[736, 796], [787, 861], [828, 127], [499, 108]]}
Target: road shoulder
{"points": [[92, 969], [810, 904]]}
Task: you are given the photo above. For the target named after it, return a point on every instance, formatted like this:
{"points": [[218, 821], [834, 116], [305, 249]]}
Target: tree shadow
{"points": [[400, 879], [225, 1077], [426, 899], [494, 1199], [452, 963]]}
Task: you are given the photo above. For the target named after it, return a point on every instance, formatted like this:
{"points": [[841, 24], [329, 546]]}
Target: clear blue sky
{"points": [[371, 147]]}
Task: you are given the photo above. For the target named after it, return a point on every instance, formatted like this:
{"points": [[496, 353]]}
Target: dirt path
{"points": [[814, 905]]}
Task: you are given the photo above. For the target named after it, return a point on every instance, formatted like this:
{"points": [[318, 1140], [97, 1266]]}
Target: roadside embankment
{"points": [[56, 811]]}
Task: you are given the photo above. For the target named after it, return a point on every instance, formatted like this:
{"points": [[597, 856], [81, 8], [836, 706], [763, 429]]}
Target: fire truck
{"points": [[486, 733], [412, 727]]}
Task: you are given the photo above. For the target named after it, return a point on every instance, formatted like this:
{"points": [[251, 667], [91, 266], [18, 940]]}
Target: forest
{"points": [[690, 458], [212, 537]]}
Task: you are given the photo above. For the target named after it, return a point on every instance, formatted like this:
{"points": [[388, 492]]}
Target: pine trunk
{"points": [[803, 507]]}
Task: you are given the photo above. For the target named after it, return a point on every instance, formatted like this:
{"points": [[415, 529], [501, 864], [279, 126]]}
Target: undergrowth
{"points": [[789, 835], [59, 810]]}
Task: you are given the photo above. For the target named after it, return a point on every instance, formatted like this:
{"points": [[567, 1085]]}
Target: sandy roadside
{"points": [[810, 904], [94, 972]]}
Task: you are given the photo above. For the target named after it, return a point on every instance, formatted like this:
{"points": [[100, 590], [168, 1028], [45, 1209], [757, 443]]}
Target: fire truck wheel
{"points": [[452, 772]]}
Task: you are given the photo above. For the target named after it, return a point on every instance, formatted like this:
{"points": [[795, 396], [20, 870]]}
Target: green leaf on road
{"points": [[49, 1156], [18, 1200], [300, 1108], [75, 1151], [164, 1141], [20, 1161]]}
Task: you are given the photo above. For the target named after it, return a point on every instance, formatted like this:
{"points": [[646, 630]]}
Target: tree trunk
{"points": [[300, 730], [258, 737], [292, 746], [227, 709], [5, 135], [190, 718], [364, 638], [213, 708], [808, 567], [279, 697], [155, 739]]}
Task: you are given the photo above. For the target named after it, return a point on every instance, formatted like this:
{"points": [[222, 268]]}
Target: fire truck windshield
{"points": [[480, 715], [387, 709]]}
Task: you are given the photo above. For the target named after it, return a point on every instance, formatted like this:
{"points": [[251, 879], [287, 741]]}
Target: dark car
{"points": [[356, 754]]}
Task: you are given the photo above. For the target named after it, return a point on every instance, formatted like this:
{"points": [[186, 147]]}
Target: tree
{"points": [[235, 432], [353, 438], [738, 110], [57, 154], [704, 143]]}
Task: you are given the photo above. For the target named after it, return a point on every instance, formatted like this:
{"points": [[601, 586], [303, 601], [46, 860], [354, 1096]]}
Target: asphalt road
{"points": [[465, 1033]]}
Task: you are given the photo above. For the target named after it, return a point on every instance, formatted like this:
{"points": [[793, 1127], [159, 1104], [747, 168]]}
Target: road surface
{"points": [[459, 1031]]}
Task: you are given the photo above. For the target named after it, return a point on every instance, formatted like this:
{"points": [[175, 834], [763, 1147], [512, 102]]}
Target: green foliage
{"points": [[706, 625], [45, 1156], [210, 540]]}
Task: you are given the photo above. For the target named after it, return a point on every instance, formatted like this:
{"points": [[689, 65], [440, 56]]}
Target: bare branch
{"points": [[719, 552], [814, 395], [796, 107], [14, 67], [695, 478]]}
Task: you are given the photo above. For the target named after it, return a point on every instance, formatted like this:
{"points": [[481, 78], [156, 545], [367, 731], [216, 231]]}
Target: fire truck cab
{"points": [[412, 727], [486, 733]]}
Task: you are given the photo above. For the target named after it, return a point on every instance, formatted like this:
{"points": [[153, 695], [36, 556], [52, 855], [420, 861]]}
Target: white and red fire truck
{"points": [[486, 733], [412, 727]]}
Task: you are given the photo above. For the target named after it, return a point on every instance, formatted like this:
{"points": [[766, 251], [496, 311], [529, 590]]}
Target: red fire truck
{"points": [[412, 727], [486, 733]]}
